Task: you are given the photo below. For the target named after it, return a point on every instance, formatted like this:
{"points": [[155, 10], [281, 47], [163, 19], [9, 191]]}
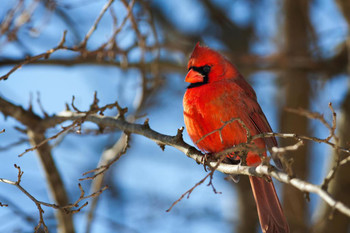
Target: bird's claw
{"points": [[205, 160]]}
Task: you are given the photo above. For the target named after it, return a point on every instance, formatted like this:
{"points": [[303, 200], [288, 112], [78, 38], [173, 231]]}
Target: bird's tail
{"points": [[271, 217]]}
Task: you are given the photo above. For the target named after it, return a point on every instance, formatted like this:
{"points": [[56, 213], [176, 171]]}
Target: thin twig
{"points": [[102, 169], [225, 123], [65, 129], [97, 21], [45, 55], [330, 176], [67, 208], [210, 174]]}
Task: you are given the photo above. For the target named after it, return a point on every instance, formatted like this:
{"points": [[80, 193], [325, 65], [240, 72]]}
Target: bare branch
{"points": [[67, 208], [210, 174], [94, 26], [117, 30], [331, 128], [45, 55], [320, 117], [198, 156], [285, 178], [102, 169], [189, 192], [223, 126], [65, 129], [336, 165]]}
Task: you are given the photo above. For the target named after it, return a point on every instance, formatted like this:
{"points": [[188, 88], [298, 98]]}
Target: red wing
{"points": [[261, 124], [256, 115]]}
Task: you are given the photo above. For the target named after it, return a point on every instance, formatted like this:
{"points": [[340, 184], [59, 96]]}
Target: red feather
{"points": [[220, 95]]}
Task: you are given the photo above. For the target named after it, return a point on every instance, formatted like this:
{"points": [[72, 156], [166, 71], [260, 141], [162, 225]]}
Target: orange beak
{"points": [[194, 77]]}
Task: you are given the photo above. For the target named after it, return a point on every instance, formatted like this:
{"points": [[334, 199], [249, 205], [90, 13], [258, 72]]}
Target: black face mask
{"points": [[203, 70]]}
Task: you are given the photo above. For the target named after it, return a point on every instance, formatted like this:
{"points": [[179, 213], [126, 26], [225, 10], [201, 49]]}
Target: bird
{"points": [[220, 111]]}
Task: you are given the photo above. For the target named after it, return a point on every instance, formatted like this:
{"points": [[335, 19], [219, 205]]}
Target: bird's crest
{"points": [[203, 54]]}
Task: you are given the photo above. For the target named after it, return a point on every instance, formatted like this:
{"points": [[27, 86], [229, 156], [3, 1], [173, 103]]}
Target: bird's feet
{"points": [[206, 160]]}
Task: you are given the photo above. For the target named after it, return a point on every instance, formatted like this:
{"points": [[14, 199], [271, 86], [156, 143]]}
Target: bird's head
{"points": [[207, 66]]}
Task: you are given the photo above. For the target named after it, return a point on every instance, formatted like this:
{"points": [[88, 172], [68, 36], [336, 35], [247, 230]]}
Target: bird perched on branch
{"points": [[221, 111]]}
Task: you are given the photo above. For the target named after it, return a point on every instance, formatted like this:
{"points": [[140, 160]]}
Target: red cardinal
{"points": [[217, 94]]}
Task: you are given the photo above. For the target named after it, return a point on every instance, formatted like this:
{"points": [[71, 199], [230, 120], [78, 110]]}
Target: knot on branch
{"points": [[122, 111], [146, 124], [19, 175], [161, 145], [179, 136]]}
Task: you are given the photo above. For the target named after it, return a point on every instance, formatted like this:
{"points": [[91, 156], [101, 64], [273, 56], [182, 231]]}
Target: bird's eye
{"points": [[206, 69]]}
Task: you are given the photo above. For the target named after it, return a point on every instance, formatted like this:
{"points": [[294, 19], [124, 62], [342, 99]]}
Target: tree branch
{"points": [[67, 209], [178, 143]]}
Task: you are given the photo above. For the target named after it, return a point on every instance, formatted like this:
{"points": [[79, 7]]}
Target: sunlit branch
{"points": [[285, 178], [94, 26], [178, 143]]}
